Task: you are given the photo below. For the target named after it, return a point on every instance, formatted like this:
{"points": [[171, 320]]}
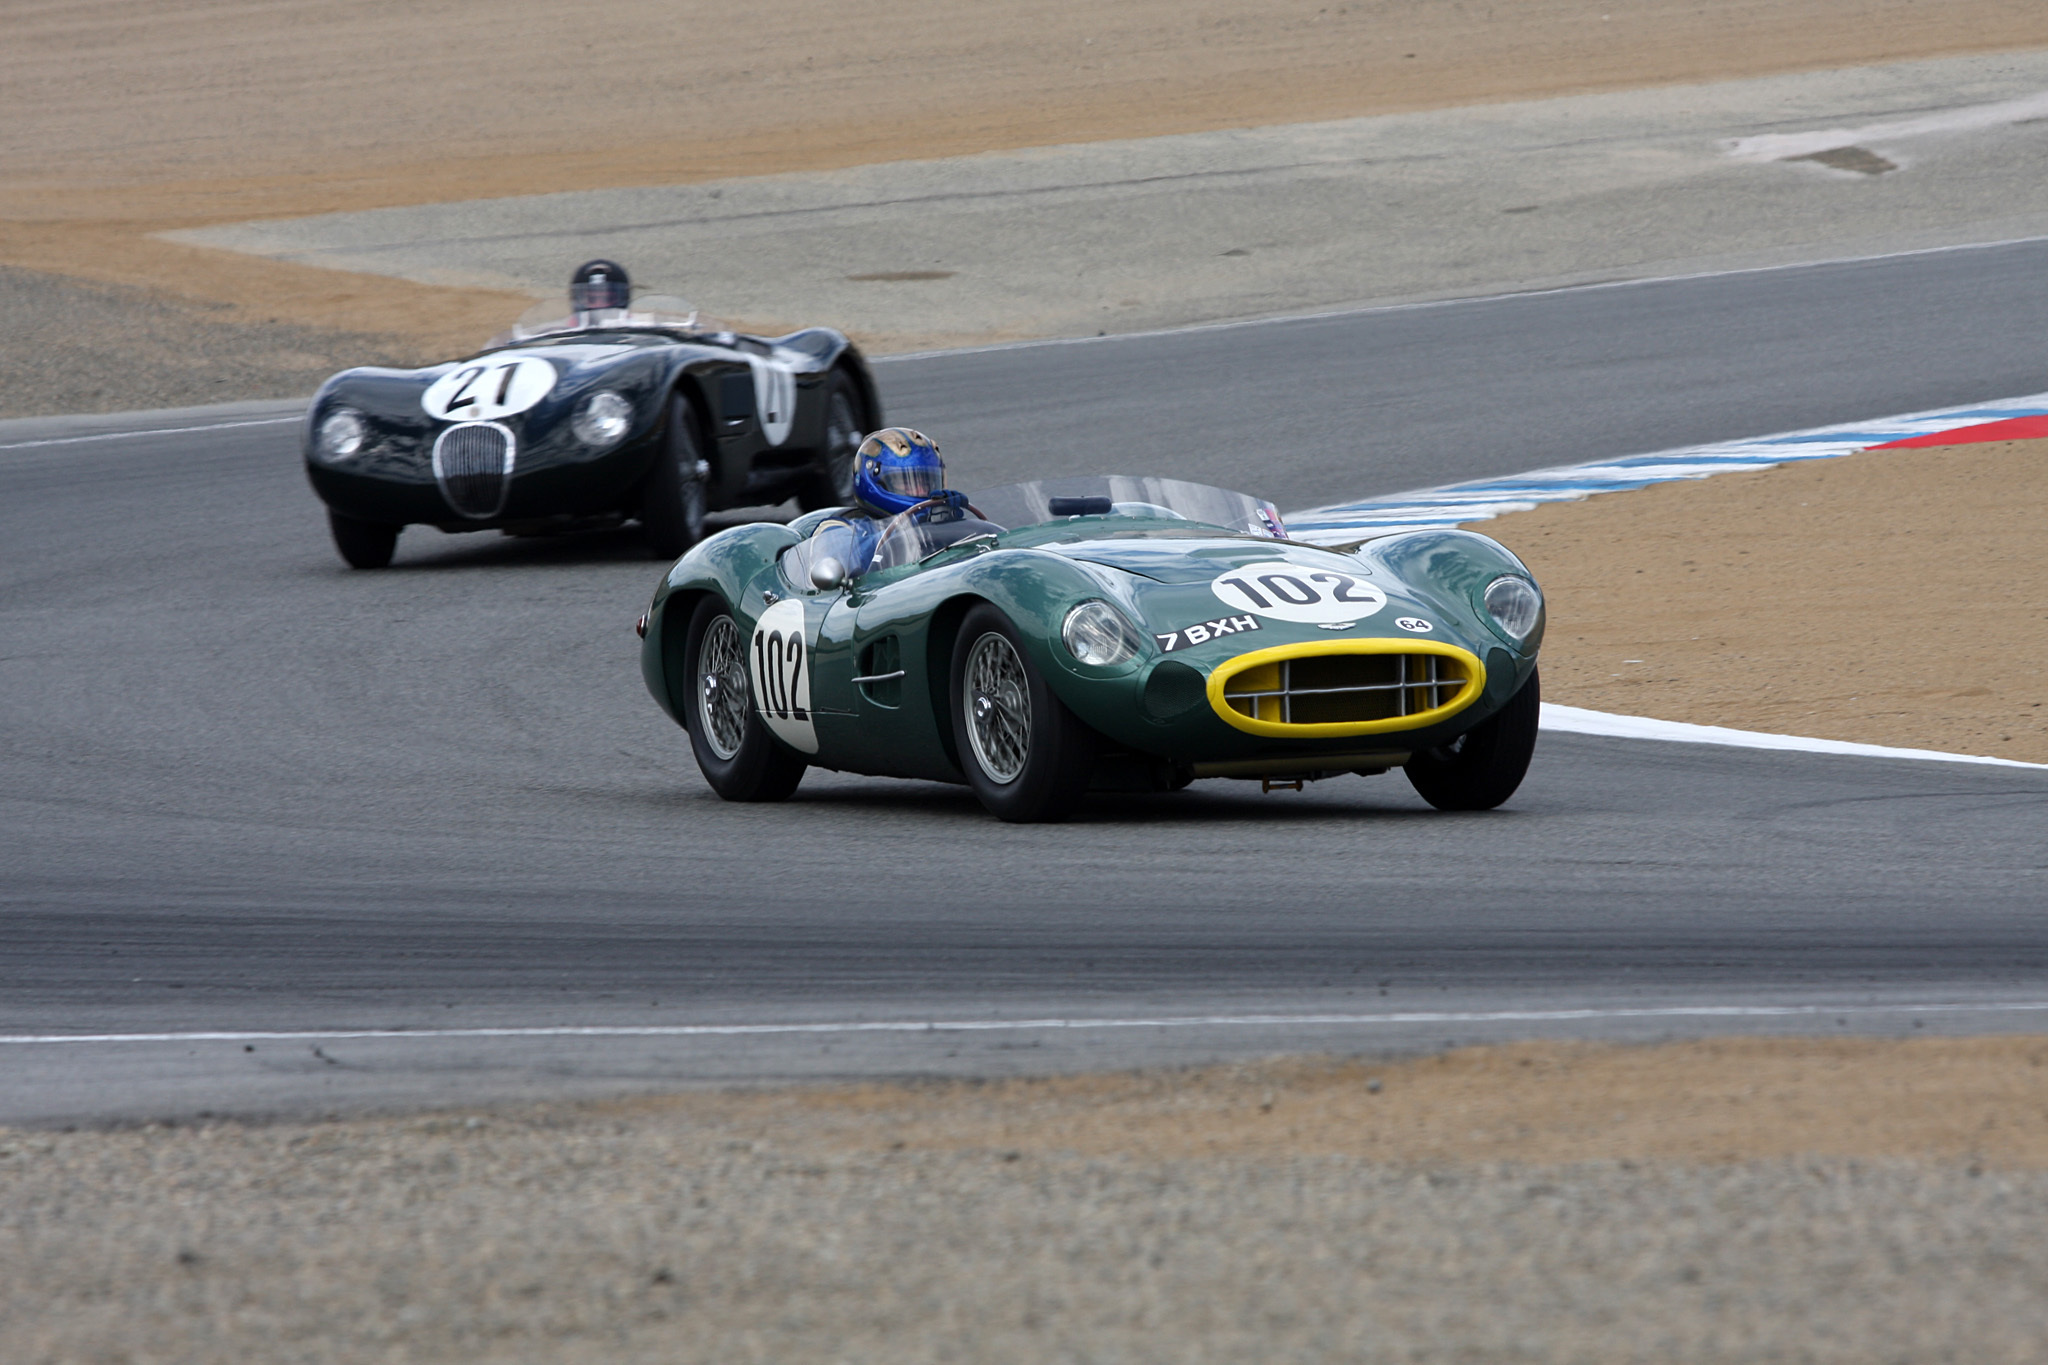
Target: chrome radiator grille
{"points": [[1341, 689], [473, 465]]}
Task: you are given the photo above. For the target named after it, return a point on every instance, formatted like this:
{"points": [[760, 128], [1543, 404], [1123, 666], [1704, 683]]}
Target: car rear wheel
{"points": [[676, 494], [1024, 753], [1482, 767], [739, 758], [364, 544], [831, 483]]}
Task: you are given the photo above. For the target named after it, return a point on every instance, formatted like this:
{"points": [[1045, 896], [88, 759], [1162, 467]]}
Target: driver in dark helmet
{"points": [[598, 286]]}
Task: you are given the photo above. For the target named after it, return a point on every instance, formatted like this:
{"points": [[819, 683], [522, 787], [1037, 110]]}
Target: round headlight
{"points": [[602, 419], [1097, 633], [1514, 604], [341, 434]]}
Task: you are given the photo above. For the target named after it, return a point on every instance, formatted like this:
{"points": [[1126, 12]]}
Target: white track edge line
{"points": [[1367, 309], [1575, 720], [159, 431], [1035, 1025]]}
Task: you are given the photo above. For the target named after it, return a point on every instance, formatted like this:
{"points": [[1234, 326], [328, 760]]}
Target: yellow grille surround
{"points": [[1325, 689]]}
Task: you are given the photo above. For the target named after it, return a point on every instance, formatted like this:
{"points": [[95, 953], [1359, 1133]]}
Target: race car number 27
{"points": [[780, 663], [1295, 592]]}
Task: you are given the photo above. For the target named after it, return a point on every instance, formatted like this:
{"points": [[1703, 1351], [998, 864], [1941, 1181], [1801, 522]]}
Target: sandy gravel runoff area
{"points": [[1888, 597], [125, 120], [1733, 1200]]}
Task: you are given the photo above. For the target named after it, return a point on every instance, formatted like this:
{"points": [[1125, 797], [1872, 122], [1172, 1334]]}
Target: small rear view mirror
{"points": [[827, 574]]}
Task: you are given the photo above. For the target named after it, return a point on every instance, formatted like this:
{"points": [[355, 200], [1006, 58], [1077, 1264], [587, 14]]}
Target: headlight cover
{"points": [[1514, 604], [341, 434], [602, 419], [1097, 633]]}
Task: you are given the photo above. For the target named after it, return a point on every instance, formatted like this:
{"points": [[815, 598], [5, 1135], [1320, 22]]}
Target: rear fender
{"points": [[731, 566]]}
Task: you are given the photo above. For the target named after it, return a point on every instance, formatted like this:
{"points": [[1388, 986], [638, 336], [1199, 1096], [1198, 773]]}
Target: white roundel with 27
{"points": [[1297, 592], [487, 389]]}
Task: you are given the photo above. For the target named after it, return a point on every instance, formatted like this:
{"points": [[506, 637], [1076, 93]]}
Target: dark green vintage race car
{"points": [[1109, 634]]}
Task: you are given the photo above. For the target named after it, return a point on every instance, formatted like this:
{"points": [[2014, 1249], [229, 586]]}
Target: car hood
{"points": [[1182, 558]]}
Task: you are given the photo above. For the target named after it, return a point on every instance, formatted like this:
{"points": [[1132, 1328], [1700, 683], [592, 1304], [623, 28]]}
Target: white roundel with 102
{"points": [[1296, 592], [780, 667], [487, 389]]}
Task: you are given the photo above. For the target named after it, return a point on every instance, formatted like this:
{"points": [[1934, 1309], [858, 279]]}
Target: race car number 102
{"points": [[1290, 592], [782, 675], [779, 664]]}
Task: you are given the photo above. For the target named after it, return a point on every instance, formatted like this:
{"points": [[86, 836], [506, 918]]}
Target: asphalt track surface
{"points": [[247, 792]]}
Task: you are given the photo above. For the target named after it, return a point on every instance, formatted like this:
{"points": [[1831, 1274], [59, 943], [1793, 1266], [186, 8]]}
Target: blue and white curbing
{"points": [[1484, 499]]}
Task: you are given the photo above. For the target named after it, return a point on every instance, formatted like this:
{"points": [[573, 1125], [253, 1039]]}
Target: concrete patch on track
{"points": [[1730, 1199]]}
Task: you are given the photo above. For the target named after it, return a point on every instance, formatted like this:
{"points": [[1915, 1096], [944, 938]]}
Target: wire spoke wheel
{"points": [[998, 708], [1027, 757], [722, 687]]}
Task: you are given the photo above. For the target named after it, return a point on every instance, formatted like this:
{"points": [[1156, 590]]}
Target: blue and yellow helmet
{"points": [[895, 470]]}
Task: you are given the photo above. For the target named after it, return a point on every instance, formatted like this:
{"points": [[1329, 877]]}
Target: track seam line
{"points": [[159, 431], [1031, 1025]]}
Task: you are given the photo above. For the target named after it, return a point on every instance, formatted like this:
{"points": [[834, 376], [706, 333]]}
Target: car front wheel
{"points": [[1024, 753], [364, 544], [738, 757], [675, 497], [1482, 767]]}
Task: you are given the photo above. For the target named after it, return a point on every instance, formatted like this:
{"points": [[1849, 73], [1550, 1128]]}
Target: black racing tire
{"points": [[676, 494], [830, 482], [738, 757], [1482, 767], [1024, 753], [364, 544]]}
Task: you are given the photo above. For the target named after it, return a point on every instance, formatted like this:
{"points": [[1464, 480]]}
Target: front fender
{"points": [[1455, 567]]}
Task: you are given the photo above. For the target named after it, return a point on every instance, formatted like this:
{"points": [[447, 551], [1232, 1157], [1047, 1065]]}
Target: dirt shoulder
{"points": [[1716, 1101], [128, 122], [1761, 1199], [1889, 597]]}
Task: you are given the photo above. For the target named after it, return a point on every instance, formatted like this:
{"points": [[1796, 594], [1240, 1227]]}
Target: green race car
{"points": [[1103, 634]]}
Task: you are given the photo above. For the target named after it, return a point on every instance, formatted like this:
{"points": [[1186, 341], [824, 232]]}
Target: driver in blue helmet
{"points": [[905, 509], [897, 469]]}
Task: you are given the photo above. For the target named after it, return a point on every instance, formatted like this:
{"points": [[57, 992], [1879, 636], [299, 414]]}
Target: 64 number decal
{"points": [[779, 659], [1296, 592]]}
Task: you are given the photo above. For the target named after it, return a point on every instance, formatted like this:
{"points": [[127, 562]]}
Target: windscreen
{"points": [[1116, 495], [554, 317]]}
